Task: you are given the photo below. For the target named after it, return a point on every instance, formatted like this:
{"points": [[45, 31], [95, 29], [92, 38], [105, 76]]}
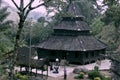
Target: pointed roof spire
{"points": [[73, 9]]}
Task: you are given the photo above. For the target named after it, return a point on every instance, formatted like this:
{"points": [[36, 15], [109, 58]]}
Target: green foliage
{"points": [[87, 9], [94, 73], [56, 6], [39, 32], [21, 77], [18, 75], [2, 71], [97, 78], [97, 26], [110, 2], [112, 15], [5, 40], [108, 35], [96, 68], [80, 76], [3, 15], [5, 44], [107, 78]]}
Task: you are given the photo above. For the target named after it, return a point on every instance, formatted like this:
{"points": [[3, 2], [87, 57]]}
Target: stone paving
{"points": [[105, 65]]}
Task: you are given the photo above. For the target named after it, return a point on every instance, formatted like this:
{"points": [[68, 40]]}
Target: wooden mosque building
{"points": [[72, 40]]}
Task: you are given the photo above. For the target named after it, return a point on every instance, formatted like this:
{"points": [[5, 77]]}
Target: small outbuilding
{"points": [[24, 59], [72, 40]]}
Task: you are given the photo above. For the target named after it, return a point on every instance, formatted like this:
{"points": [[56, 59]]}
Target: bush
{"points": [[97, 78], [96, 68], [107, 78], [24, 77], [92, 74], [17, 75], [21, 77], [81, 75]]}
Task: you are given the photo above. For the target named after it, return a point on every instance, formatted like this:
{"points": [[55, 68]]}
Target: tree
{"points": [[87, 9], [110, 2], [112, 15], [5, 42], [4, 26], [97, 26], [3, 15], [23, 12]]}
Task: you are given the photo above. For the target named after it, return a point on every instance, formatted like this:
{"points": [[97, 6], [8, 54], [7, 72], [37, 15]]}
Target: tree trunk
{"points": [[16, 45]]}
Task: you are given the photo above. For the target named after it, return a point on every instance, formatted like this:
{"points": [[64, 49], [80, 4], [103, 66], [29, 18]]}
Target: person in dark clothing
{"points": [[65, 74], [51, 67]]}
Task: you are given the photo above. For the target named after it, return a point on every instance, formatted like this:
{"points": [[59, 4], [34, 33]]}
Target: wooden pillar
{"points": [[83, 59], [89, 57], [20, 68], [36, 71], [42, 73], [47, 73], [47, 70]]}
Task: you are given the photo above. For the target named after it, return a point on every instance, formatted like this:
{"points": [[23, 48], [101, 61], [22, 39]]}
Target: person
{"points": [[51, 66], [55, 70], [65, 74]]}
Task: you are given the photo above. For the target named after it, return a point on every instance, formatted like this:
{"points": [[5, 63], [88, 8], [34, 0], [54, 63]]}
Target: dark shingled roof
{"points": [[74, 21], [80, 42], [73, 25], [72, 43], [74, 9], [24, 59]]}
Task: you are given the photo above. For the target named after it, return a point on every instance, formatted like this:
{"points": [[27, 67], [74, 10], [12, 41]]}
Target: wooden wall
{"points": [[81, 57]]}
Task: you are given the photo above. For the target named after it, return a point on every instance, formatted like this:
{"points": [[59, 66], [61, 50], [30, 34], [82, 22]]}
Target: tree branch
{"points": [[40, 5], [26, 14], [28, 4], [15, 4], [31, 8]]}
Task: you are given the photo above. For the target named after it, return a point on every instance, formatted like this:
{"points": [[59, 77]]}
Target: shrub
{"points": [[81, 75], [92, 74], [21, 77], [24, 77], [76, 77], [18, 75], [107, 78], [97, 78], [96, 68]]}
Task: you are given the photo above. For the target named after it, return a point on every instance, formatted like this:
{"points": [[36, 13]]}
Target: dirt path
{"points": [[69, 77]]}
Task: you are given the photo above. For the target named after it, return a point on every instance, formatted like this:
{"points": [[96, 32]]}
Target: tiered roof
{"points": [[75, 24]]}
